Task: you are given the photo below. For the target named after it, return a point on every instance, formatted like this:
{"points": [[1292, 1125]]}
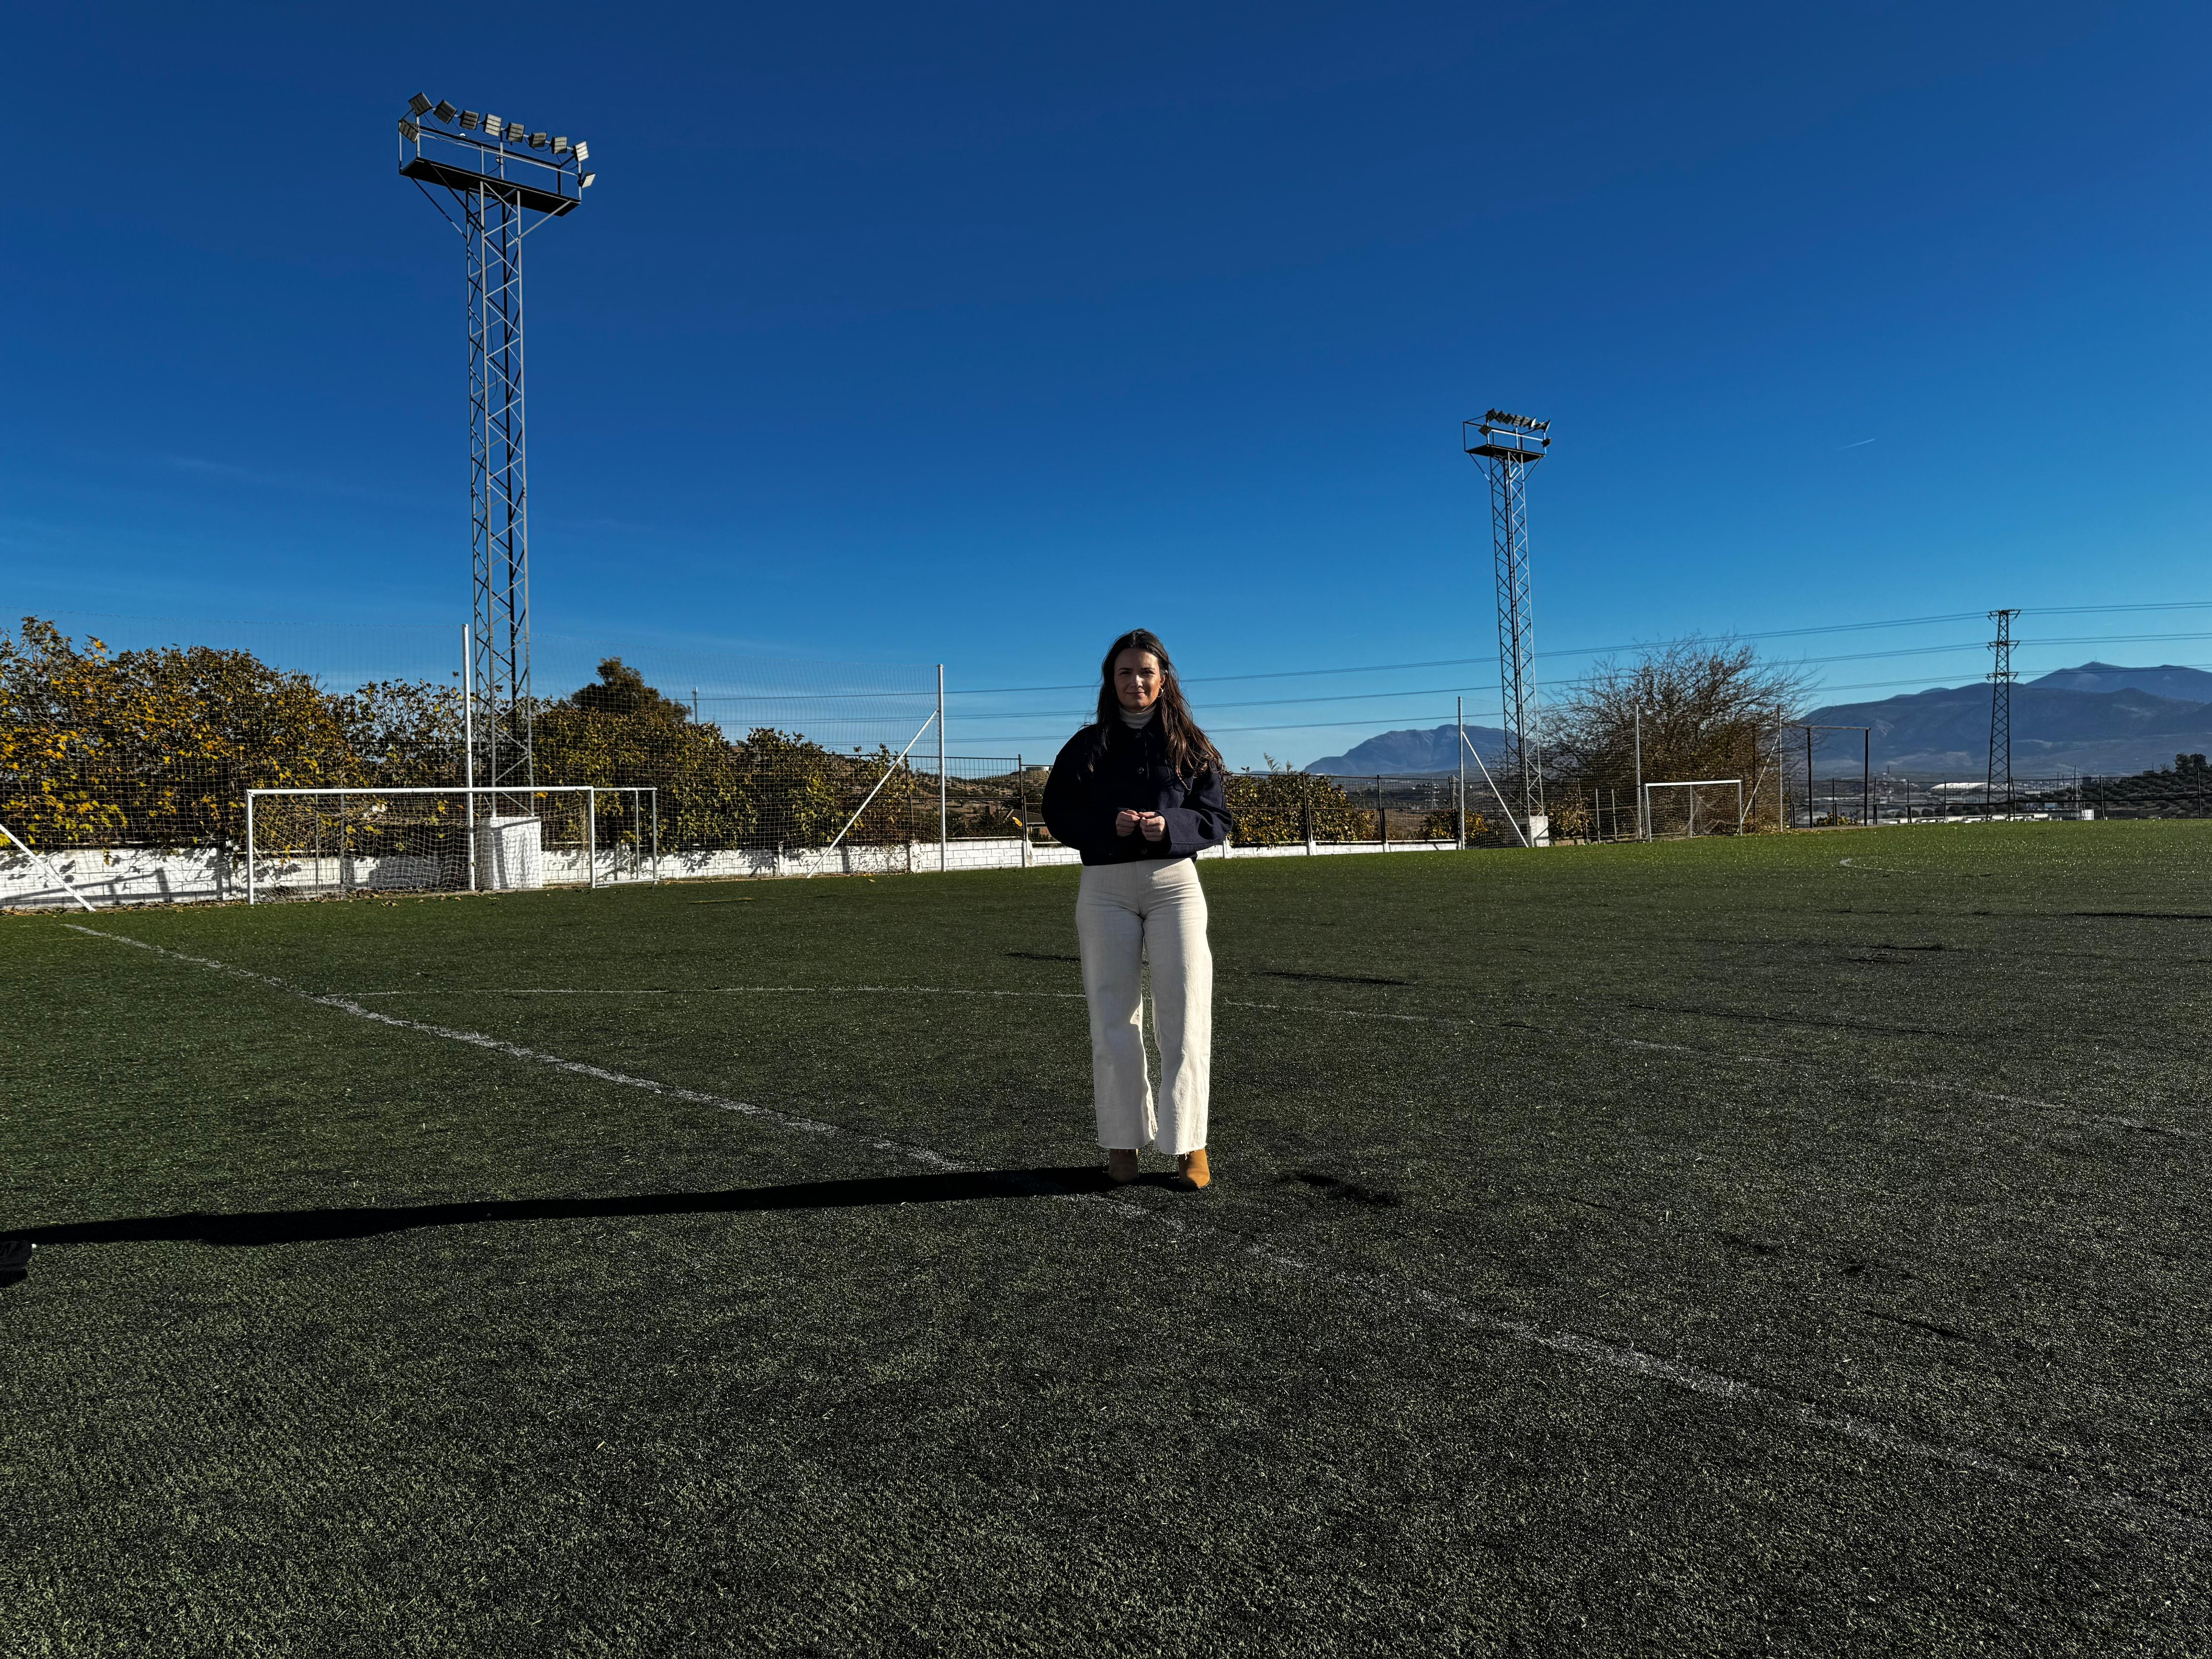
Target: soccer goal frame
{"points": [[1693, 785], [486, 845]]}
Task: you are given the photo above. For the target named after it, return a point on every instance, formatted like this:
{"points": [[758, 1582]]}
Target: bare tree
{"points": [[1708, 709]]}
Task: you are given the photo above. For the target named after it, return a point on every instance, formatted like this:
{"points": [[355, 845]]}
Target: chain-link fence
{"points": [[1283, 808], [129, 757], [125, 764], [336, 842], [1568, 808], [2183, 791]]}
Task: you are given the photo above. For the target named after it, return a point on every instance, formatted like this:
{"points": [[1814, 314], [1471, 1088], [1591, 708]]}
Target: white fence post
{"points": [[469, 742], [943, 818]]}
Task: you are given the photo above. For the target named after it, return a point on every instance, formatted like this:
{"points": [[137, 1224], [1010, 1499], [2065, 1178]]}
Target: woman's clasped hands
{"points": [[1129, 821]]}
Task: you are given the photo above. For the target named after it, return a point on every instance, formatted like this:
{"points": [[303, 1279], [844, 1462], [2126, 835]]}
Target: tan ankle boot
{"points": [[1193, 1173], [1121, 1165]]}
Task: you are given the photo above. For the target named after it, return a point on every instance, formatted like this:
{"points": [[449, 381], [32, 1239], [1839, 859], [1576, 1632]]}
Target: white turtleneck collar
{"points": [[1137, 722]]}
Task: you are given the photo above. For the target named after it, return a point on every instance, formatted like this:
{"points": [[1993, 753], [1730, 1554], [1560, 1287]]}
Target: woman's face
{"points": [[1136, 679]]}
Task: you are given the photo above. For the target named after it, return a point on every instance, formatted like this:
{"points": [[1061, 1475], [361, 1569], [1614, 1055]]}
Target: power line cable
{"points": [[1601, 650], [1450, 690], [1484, 716]]}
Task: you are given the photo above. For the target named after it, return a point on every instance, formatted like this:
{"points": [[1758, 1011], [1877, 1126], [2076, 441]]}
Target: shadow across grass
{"points": [[252, 1228], [1326, 979], [1337, 1187], [2145, 916]]}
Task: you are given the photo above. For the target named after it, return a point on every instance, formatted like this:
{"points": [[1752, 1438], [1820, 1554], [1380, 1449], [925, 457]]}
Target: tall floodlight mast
{"points": [[1507, 446], [505, 181], [2001, 679]]}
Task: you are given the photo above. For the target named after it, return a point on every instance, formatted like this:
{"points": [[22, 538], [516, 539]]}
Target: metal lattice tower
{"points": [[2001, 679], [504, 181], [1507, 446]]}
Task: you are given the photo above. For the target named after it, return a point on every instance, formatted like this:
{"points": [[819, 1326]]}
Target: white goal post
{"points": [[1693, 785], [311, 843]]}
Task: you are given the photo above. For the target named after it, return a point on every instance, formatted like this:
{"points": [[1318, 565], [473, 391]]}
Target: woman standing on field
{"points": [[1138, 795]]}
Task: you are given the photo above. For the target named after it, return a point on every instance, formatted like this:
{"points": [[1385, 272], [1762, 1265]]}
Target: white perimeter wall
{"points": [[126, 876], [131, 876]]}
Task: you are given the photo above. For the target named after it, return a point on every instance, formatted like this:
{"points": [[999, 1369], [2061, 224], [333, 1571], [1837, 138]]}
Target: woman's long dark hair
{"points": [[1190, 751]]}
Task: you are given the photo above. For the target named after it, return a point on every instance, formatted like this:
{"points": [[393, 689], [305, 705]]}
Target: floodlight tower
{"points": [[505, 181], [2001, 679], [1507, 446]]}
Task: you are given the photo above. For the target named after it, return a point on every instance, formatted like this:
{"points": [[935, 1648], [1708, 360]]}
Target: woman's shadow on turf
{"points": [[258, 1227]]}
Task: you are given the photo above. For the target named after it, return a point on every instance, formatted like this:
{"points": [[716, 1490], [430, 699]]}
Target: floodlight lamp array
{"points": [[1500, 434], [493, 128]]}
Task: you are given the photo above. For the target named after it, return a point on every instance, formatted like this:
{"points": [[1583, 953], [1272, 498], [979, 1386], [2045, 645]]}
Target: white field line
{"points": [[705, 991], [1678, 1374], [478, 1039], [2102, 1120]]}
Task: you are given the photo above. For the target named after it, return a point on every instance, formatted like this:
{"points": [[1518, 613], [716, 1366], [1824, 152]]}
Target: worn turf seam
{"points": [[1693, 1379], [2052, 1108]]}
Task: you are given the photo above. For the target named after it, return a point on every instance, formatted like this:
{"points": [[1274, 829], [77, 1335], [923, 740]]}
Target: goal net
{"points": [[321, 843], [1693, 806]]}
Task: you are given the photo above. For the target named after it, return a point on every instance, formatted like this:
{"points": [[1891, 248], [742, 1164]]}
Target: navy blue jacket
{"points": [[1094, 781]]}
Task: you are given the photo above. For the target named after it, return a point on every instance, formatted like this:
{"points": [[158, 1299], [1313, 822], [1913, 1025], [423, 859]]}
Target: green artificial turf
{"points": [[1790, 1246]]}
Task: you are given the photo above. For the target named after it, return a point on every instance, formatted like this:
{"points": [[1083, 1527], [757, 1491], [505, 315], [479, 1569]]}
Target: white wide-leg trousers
{"points": [[1125, 916]]}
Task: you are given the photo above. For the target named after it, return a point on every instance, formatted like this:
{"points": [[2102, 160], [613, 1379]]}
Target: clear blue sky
{"points": [[976, 334]]}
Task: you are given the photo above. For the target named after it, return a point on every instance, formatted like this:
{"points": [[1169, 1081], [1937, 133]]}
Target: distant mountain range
{"points": [[2182, 684], [1397, 753], [2098, 717]]}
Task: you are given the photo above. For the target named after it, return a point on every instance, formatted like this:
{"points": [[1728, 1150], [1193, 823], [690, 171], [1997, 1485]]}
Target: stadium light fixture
{"points": [[501, 192], [1506, 445], [583, 150]]}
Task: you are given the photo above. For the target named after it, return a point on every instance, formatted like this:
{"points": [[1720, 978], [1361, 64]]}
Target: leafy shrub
{"points": [[158, 747], [1443, 825], [1281, 805]]}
